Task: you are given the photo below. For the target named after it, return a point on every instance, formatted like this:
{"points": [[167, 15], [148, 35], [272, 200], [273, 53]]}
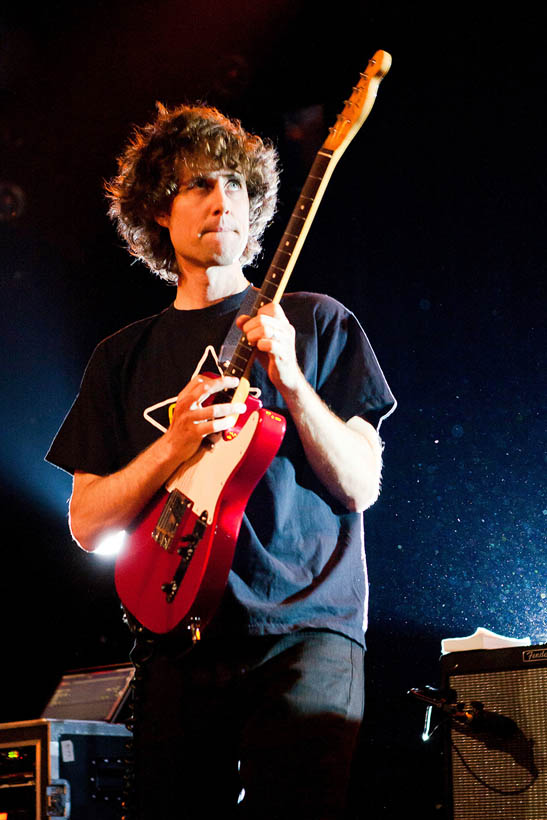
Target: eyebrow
{"points": [[211, 172]]}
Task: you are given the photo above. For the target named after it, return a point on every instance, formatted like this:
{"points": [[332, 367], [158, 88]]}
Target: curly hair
{"points": [[148, 174]]}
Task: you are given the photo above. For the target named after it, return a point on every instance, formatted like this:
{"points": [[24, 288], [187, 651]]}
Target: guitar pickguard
{"points": [[203, 477]]}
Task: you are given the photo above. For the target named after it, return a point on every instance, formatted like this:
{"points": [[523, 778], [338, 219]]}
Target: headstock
{"points": [[359, 105]]}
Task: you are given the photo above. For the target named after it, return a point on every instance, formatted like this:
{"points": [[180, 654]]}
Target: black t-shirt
{"points": [[299, 561]]}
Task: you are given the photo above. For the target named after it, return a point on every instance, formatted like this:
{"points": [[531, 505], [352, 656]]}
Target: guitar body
{"points": [[211, 491]]}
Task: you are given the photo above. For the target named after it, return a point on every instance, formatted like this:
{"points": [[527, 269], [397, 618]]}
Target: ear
{"points": [[163, 220]]}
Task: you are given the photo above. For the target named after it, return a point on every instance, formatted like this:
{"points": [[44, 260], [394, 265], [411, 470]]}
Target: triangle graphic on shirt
{"points": [[160, 414]]}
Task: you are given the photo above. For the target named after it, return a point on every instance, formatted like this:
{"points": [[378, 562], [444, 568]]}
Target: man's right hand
{"points": [[100, 504], [193, 419]]}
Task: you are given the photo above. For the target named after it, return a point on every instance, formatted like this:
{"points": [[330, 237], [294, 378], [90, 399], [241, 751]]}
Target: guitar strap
{"points": [[234, 333]]}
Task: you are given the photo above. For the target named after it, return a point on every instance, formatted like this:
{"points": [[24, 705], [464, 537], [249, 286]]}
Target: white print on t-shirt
{"points": [[209, 350]]}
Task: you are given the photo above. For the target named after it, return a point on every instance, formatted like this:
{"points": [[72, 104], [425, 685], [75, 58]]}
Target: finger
{"points": [[264, 328], [203, 381], [273, 310], [214, 383], [265, 314], [217, 411], [246, 324], [241, 320], [192, 390], [223, 383], [272, 346], [217, 425], [205, 386]]}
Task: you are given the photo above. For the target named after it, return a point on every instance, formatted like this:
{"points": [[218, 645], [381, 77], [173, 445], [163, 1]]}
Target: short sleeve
{"points": [[350, 380], [87, 439]]}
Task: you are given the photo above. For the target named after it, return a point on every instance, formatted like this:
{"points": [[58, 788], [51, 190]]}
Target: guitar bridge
{"points": [[170, 588], [172, 514]]}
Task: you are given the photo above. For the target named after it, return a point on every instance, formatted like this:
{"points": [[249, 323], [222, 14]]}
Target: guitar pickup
{"points": [[186, 552], [190, 542], [169, 521]]}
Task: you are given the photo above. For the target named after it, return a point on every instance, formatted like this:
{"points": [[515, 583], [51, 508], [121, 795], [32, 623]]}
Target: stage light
{"points": [[111, 544]]}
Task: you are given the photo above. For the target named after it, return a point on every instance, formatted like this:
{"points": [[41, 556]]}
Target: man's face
{"points": [[209, 218]]}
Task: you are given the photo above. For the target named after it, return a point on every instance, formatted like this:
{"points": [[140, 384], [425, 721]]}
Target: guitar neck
{"points": [[300, 222], [356, 110]]}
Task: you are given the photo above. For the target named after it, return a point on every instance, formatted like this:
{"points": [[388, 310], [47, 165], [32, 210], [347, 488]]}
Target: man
{"points": [[261, 717]]}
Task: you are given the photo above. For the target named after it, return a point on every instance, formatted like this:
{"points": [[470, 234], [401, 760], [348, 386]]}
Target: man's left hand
{"points": [[274, 337]]}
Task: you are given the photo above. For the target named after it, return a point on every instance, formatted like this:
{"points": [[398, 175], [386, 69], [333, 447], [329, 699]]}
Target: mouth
{"points": [[219, 229]]}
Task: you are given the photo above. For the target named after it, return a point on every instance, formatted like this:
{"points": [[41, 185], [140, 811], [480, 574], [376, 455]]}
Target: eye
{"points": [[234, 183], [198, 183]]}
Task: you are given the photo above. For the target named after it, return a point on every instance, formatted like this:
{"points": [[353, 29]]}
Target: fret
{"points": [[281, 265], [310, 186], [274, 276], [243, 357], [295, 223], [244, 344], [231, 369], [270, 289], [307, 201], [262, 300], [241, 354], [279, 260]]}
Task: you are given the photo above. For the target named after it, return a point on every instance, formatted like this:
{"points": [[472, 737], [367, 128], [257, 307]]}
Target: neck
{"points": [[209, 286]]}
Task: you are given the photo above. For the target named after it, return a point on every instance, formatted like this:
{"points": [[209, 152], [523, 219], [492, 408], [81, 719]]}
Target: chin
{"points": [[228, 252], [227, 258]]}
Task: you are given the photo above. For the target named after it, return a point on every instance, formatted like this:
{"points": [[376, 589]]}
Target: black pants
{"points": [[264, 728]]}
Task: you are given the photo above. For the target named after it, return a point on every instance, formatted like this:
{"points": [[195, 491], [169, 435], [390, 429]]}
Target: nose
{"points": [[221, 202]]}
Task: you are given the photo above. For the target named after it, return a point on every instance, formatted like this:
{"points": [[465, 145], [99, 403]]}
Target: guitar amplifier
{"points": [[497, 759]]}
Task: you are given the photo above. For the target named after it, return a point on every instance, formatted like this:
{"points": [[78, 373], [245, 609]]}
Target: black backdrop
{"points": [[431, 231]]}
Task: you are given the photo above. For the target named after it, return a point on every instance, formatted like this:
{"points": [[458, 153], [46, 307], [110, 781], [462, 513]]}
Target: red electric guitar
{"points": [[175, 564]]}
